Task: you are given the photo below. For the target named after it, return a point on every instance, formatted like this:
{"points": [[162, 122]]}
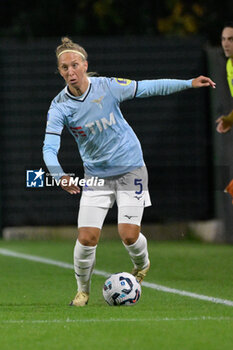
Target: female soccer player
{"points": [[110, 150]]}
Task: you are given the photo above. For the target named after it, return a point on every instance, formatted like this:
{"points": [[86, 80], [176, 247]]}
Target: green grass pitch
{"points": [[34, 298]]}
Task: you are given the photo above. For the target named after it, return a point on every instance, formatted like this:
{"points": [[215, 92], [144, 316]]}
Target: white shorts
{"points": [[129, 190], [95, 216]]}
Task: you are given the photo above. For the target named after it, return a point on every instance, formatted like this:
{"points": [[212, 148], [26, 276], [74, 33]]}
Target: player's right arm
{"points": [[51, 147], [54, 127]]}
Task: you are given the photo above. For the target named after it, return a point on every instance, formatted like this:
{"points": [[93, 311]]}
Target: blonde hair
{"points": [[69, 46]]}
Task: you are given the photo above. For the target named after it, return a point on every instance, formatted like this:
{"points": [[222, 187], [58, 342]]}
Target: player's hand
{"points": [[224, 124], [229, 189], [67, 185], [202, 81]]}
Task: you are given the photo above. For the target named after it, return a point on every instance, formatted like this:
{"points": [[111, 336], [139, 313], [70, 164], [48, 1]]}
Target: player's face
{"points": [[227, 41], [73, 69]]}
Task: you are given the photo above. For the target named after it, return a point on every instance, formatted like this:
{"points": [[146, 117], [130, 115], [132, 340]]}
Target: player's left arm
{"points": [[203, 81], [148, 88], [122, 89]]}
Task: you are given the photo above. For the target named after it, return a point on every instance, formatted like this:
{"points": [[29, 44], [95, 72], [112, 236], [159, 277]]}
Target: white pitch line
{"points": [[98, 320], [188, 294], [155, 286]]}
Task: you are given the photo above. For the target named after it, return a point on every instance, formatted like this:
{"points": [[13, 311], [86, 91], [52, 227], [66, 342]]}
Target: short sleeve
{"points": [[122, 89]]}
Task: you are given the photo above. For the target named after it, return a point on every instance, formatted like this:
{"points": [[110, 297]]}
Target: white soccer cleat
{"points": [[140, 274], [81, 299]]}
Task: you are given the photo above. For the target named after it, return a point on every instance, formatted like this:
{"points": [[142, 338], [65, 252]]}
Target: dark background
{"points": [[42, 18]]}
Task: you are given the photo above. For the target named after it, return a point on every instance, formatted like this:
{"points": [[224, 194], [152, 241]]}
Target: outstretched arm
{"points": [[148, 88], [202, 81]]}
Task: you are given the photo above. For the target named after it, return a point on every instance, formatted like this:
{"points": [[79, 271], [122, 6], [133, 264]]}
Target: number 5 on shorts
{"points": [[138, 182]]}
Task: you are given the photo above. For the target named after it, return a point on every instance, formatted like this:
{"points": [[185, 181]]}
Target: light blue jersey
{"points": [[107, 144]]}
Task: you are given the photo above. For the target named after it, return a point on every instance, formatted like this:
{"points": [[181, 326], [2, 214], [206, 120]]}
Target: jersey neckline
{"points": [[78, 98]]}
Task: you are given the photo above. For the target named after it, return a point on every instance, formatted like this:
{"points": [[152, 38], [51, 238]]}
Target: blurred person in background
{"points": [[224, 123], [90, 108]]}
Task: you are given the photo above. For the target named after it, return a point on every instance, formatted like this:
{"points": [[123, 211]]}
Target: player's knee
{"points": [[129, 233], [88, 236], [129, 240]]}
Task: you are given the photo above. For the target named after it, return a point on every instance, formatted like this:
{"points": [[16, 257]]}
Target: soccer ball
{"points": [[121, 289]]}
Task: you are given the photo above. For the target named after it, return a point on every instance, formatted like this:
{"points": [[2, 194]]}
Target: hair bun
{"points": [[68, 44], [66, 41]]}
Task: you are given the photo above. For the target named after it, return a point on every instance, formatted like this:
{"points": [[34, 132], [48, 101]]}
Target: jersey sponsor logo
{"points": [[101, 124], [122, 81], [77, 131]]}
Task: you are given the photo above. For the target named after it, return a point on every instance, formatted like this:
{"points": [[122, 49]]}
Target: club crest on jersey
{"points": [[122, 81], [98, 101]]}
